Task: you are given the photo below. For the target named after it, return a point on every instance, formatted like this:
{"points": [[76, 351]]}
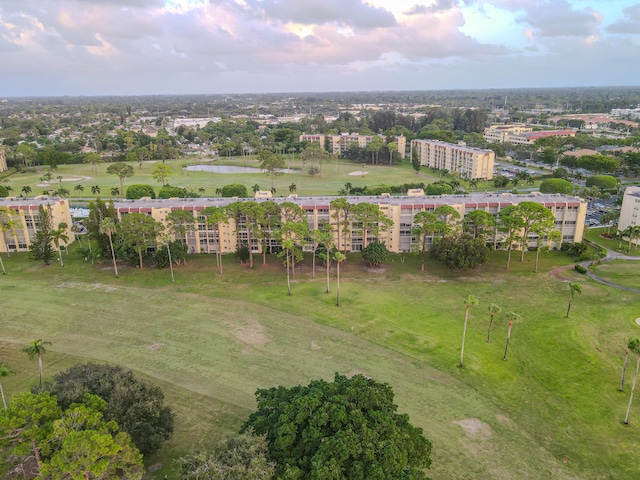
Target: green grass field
{"points": [[210, 341], [621, 273]]}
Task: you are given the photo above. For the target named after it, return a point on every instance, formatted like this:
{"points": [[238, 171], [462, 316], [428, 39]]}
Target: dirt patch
{"points": [[88, 287], [252, 334], [557, 272], [358, 173], [314, 345], [155, 346], [474, 428]]}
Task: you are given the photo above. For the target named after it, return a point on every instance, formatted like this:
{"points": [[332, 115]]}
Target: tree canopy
{"points": [[345, 429]]}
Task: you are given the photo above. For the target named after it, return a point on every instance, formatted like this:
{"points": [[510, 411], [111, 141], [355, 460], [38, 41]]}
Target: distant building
{"points": [[26, 211], [521, 135], [569, 213], [630, 210], [3, 160], [338, 144], [471, 163]]}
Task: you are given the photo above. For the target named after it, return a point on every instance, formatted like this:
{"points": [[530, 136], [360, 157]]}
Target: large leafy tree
{"points": [[345, 429], [342, 214], [536, 218], [40, 439], [477, 222], [371, 220], [272, 163], [137, 406], [510, 224], [122, 170], [138, 231], [241, 457], [459, 251], [216, 216], [41, 246], [180, 223]]}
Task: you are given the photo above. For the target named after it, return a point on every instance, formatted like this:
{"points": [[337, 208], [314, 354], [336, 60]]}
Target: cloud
{"points": [[437, 6], [559, 19], [322, 12], [628, 25]]}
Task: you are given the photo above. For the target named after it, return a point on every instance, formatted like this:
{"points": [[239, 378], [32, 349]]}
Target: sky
{"points": [[144, 47]]}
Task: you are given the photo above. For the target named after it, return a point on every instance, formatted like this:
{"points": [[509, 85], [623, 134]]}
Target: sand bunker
{"points": [[359, 173]]}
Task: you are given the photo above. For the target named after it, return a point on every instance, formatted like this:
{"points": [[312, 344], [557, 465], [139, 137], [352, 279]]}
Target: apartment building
{"points": [[521, 135], [471, 163], [338, 144], [3, 160], [569, 211], [630, 210], [26, 212]]}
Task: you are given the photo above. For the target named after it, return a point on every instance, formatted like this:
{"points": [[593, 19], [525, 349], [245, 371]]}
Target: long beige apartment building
{"points": [[26, 215], [338, 144], [630, 209], [569, 212], [471, 163]]}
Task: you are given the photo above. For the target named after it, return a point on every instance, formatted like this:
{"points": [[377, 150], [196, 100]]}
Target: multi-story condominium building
{"points": [[338, 144], [470, 162], [3, 160], [630, 210], [521, 135], [569, 213], [26, 212], [501, 133]]}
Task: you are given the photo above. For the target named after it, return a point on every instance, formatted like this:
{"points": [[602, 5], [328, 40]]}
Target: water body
{"points": [[231, 169]]}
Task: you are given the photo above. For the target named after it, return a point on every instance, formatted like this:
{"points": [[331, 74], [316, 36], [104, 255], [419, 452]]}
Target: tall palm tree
{"points": [[512, 317], [636, 350], [632, 346], [108, 228], [95, 189], [574, 289], [60, 235], [37, 349], [4, 372], [470, 300], [493, 309], [339, 257]]}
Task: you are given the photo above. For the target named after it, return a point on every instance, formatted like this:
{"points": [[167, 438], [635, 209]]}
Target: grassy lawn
{"points": [[593, 234], [210, 341], [622, 273]]}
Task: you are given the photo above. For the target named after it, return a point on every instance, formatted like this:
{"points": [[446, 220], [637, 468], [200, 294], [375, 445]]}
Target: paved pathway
{"points": [[611, 255]]}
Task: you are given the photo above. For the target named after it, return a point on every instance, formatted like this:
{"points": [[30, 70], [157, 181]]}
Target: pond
{"points": [[231, 169]]}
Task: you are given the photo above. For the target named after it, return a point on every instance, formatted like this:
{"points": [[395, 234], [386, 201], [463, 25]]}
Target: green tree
{"points": [[135, 405], [468, 302], [234, 190], [93, 159], [603, 182], [313, 154], [323, 237], [493, 310], [36, 350], [342, 214], [392, 147], [137, 191], [512, 317], [536, 218], [95, 189], [372, 220], [459, 251], [477, 222], [160, 173], [122, 170], [7, 224], [556, 185], [216, 216], [26, 190], [108, 228], [269, 221], [633, 345], [272, 163], [41, 248], [510, 224], [425, 225], [138, 231], [59, 235], [345, 429], [375, 253], [252, 212], [180, 223], [242, 457], [574, 289]]}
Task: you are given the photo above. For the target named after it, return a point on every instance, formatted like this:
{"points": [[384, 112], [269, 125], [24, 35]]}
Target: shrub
{"points": [[375, 253], [3, 191], [178, 254], [439, 189], [603, 182], [136, 191], [235, 190], [556, 185], [136, 406], [580, 269], [169, 191], [459, 251]]}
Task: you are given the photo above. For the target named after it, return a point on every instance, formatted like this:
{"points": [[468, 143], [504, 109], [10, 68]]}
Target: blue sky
{"points": [[136, 47]]}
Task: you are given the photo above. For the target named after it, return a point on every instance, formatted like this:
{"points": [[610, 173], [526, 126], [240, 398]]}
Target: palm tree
{"points": [[636, 346], [4, 372], [339, 257], [470, 300], [201, 190], [95, 189], [512, 317], [79, 188], [632, 346], [26, 189], [288, 245], [574, 289], [292, 188], [37, 349], [60, 235], [255, 188], [115, 191], [493, 309], [108, 228]]}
